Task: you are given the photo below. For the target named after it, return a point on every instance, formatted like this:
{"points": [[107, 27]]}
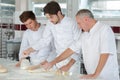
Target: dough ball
{"points": [[3, 69]]}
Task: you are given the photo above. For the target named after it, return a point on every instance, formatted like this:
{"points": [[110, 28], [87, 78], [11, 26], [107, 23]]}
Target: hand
{"points": [[18, 64], [47, 66], [26, 52], [65, 68], [89, 76], [44, 62]]}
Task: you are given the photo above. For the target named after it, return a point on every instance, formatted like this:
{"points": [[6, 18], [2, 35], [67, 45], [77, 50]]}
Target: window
{"points": [[7, 8], [105, 8]]}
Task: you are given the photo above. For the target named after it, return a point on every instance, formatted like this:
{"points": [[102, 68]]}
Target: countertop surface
{"points": [[15, 73]]}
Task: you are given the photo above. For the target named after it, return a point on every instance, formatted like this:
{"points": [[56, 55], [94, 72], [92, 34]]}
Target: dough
{"points": [[25, 64], [37, 70], [40, 70], [33, 67], [3, 69]]}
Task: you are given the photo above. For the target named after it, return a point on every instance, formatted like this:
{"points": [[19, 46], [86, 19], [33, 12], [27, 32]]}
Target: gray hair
{"points": [[85, 12]]}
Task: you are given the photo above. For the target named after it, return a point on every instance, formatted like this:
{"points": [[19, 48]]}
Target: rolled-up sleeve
{"points": [[76, 56], [76, 47]]}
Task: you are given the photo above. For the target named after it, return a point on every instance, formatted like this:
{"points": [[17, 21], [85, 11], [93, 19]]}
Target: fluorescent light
{"points": [[4, 4], [63, 5]]}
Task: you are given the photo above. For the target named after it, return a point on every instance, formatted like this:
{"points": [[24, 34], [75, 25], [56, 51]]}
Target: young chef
{"points": [[31, 36]]}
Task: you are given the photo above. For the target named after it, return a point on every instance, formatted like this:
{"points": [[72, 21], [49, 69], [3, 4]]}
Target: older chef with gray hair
{"points": [[98, 48]]}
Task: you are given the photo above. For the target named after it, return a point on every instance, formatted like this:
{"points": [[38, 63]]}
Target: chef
{"points": [[30, 37], [98, 48]]}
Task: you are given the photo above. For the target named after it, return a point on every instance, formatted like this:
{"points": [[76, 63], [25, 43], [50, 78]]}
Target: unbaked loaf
{"points": [[3, 69]]}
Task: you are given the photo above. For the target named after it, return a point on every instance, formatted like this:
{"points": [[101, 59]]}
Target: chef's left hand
{"points": [[65, 68], [89, 76], [28, 51], [44, 62], [48, 66]]}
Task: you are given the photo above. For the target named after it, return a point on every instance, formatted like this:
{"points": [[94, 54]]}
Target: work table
{"points": [[15, 73]]}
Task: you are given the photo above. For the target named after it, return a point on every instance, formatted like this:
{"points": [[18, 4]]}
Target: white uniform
{"points": [[63, 34], [100, 39], [29, 39]]}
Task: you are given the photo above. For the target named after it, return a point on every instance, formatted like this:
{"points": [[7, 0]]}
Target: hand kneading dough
{"points": [[2, 69]]}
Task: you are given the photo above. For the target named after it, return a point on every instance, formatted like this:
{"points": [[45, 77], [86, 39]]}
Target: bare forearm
{"points": [[71, 62], [63, 56], [101, 64]]}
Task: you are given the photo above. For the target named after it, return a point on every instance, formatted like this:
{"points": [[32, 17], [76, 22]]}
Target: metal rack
{"points": [[0, 40], [6, 33]]}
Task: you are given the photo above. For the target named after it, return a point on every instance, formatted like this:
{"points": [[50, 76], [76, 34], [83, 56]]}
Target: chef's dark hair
{"points": [[51, 8], [27, 15]]}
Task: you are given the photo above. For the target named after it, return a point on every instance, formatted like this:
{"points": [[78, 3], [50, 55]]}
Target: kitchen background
{"points": [[11, 29]]}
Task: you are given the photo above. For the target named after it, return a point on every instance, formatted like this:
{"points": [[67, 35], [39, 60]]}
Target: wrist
{"points": [[96, 75]]}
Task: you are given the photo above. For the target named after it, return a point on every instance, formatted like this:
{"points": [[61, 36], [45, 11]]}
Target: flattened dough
{"points": [[37, 70]]}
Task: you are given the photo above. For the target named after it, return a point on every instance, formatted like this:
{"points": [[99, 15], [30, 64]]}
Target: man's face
{"points": [[31, 24], [81, 23], [53, 18]]}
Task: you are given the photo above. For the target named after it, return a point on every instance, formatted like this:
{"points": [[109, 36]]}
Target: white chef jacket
{"points": [[100, 39], [63, 33], [30, 38]]}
